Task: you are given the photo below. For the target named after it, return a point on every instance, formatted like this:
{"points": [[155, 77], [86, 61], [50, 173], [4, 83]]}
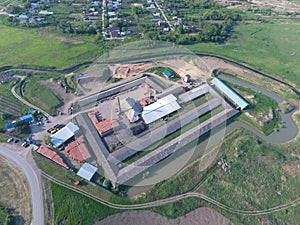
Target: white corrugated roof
{"points": [[74, 128], [230, 93], [87, 171], [159, 109], [64, 134]]}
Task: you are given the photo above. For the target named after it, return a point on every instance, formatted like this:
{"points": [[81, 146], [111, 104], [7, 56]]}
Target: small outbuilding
{"points": [[169, 74], [87, 171], [10, 127]]}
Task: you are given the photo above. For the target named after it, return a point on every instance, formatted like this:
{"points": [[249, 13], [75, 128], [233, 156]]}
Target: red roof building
{"points": [[104, 126], [77, 150], [52, 155]]}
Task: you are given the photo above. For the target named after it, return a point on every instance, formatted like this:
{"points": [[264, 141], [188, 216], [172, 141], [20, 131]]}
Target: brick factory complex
{"points": [[127, 119]]}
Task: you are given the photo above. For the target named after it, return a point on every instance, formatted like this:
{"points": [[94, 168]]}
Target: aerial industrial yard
{"points": [[114, 130]]}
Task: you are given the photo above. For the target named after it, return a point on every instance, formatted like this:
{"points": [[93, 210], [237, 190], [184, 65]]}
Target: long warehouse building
{"points": [[238, 100]]}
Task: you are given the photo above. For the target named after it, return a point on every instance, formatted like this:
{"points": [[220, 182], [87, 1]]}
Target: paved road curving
{"points": [[284, 134], [13, 91], [21, 159]]}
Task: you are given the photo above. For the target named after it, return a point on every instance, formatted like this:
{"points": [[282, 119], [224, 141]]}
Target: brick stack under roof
{"points": [[77, 150], [103, 126], [52, 155]]}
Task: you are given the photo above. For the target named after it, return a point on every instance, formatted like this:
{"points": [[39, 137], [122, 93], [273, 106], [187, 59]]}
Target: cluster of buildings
{"points": [[111, 31], [27, 118], [36, 14], [92, 14], [140, 113]]}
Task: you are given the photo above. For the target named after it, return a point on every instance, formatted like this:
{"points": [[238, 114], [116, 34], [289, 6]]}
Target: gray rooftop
{"points": [[87, 171], [194, 93]]}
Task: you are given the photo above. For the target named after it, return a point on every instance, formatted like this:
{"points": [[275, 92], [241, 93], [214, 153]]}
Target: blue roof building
{"points": [[238, 100], [29, 118], [30, 111], [169, 73], [10, 127]]}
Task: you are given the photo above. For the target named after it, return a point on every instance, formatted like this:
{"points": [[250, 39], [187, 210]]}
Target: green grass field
{"points": [[22, 47], [5, 217], [41, 95], [256, 178], [72, 208], [271, 47], [9, 104]]}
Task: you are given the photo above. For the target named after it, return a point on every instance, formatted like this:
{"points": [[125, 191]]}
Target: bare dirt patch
{"points": [[274, 5], [182, 66], [129, 70], [200, 216], [67, 40], [293, 170], [15, 192]]}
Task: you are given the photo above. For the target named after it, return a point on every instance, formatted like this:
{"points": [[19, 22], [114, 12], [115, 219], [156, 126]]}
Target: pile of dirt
{"points": [[129, 70]]}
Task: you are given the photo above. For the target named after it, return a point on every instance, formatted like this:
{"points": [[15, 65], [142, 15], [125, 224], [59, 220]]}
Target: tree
{"points": [[22, 127], [47, 139], [6, 116], [106, 183]]}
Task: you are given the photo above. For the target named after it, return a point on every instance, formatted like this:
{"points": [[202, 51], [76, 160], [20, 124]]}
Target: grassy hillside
{"points": [[21, 47], [73, 208], [271, 47], [41, 95], [9, 104]]}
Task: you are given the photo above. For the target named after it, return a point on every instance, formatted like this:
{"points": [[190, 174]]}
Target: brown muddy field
{"points": [[200, 216]]}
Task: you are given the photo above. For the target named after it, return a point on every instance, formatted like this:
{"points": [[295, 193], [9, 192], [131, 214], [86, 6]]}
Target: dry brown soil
{"points": [[200, 216], [14, 192]]}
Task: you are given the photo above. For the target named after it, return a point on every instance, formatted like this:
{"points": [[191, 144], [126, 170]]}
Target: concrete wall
{"points": [[115, 90]]}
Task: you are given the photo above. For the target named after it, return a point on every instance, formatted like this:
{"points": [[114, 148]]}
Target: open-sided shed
{"points": [[87, 171], [161, 108]]}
